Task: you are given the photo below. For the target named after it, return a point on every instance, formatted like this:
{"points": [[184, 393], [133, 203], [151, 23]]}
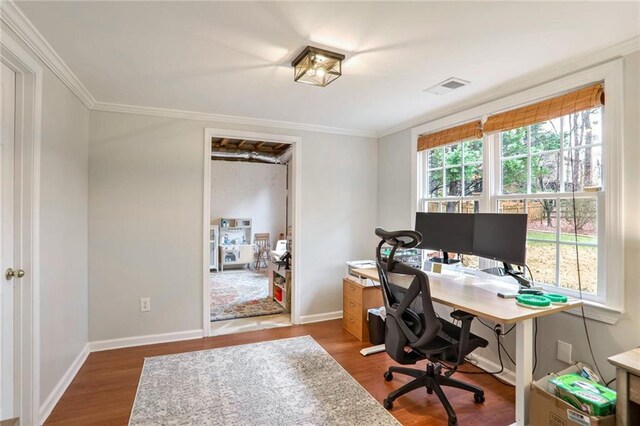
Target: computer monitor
{"points": [[501, 236], [449, 232]]}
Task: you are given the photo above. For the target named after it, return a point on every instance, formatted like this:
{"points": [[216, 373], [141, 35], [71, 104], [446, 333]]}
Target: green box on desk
{"points": [[546, 409]]}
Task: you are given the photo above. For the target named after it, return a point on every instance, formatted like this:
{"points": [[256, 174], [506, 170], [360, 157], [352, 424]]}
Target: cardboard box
{"points": [[546, 409]]}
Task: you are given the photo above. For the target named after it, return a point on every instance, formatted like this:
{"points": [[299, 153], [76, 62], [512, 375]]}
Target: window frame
{"points": [[561, 194], [608, 304], [423, 185]]}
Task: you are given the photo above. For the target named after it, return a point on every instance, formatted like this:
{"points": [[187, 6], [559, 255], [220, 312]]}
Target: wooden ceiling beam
{"points": [[242, 142], [259, 145], [282, 145], [223, 142]]}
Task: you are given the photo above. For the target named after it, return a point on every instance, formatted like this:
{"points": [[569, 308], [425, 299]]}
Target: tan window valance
{"points": [[459, 133], [569, 103]]}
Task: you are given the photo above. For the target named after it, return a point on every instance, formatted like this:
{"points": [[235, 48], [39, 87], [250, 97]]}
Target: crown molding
{"points": [[529, 81], [13, 17], [231, 119]]}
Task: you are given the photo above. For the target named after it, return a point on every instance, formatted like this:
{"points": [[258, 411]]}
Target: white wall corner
{"points": [[12, 16], [307, 319], [52, 399], [151, 339]]}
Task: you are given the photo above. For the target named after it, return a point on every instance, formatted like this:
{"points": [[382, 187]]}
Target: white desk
{"points": [[477, 295]]}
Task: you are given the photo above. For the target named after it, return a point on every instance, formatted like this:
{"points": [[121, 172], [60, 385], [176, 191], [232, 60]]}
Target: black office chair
{"points": [[412, 322]]}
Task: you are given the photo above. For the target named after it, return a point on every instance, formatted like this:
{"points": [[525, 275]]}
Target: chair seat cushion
{"points": [[445, 347]]}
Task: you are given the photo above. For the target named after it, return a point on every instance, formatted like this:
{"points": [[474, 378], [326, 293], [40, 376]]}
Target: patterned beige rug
{"points": [[281, 382], [241, 294]]}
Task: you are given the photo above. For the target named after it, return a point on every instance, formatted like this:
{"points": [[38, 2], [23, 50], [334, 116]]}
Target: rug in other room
{"points": [[281, 382], [241, 294]]}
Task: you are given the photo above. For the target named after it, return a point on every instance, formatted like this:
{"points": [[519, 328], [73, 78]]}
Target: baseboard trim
{"points": [[127, 342], [507, 376], [307, 319], [52, 399]]}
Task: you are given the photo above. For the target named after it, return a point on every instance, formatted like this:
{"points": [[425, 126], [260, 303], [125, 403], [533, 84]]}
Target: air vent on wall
{"points": [[446, 86]]}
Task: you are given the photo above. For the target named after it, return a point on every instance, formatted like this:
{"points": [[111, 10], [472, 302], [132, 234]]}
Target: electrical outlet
{"points": [[145, 304], [564, 352]]}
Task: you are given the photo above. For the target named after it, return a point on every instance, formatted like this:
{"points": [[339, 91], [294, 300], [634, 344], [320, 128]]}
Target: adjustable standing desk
{"points": [[477, 294]]}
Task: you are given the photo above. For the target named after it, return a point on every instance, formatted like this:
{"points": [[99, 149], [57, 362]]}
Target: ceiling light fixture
{"points": [[317, 66]]}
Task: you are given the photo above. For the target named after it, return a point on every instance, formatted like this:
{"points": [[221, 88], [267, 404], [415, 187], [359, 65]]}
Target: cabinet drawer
{"points": [[353, 292], [351, 307], [353, 325], [634, 388]]}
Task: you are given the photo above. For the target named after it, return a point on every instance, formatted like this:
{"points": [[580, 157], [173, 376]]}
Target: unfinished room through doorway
{"points": [[249, 229]]}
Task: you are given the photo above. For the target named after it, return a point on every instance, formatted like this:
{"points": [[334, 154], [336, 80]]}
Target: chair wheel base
{"points": [[478, 398], [388, 376], [388, 404], [453, 422], [429, 391]]}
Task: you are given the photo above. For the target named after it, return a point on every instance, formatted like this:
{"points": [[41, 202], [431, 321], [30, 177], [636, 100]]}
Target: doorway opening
{"points": [[250, 227]]}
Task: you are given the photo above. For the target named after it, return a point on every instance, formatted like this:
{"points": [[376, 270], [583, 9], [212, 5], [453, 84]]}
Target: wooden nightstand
{"points": [[357, 299]]}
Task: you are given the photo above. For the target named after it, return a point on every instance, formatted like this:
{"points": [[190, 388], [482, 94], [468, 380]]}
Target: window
{"points": [[453, 181], [453, 178], [532, 163], [539, 166], [536, 169]]}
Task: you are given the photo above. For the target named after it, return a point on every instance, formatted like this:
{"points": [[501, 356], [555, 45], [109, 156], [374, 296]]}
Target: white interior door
{"points": [[8, 384]]}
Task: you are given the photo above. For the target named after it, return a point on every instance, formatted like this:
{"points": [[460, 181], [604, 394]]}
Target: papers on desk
{"points": [[358, 264], [363, 281]]}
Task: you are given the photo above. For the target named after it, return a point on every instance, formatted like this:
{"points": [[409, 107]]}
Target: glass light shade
{"points": [[317, 66]]}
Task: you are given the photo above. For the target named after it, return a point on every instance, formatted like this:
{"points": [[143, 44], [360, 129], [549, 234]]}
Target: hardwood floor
{"points": [[104, 389]]}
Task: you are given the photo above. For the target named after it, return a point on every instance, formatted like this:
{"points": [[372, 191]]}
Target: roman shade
{"points": [[578, 100], [459, 133]]}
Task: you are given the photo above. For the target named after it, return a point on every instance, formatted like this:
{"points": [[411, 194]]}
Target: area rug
{"points": [[241, 294], [281, 382]]}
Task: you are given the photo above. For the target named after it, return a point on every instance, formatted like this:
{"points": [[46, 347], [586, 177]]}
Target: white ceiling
{"points": [[234, 58]]}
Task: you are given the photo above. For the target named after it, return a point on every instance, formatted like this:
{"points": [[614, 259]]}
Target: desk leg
{"points": [[524, 367]]}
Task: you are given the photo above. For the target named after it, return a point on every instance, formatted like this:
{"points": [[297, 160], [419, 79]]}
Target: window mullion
{"points": [[558, 213], [528, 159], [462, 181], [494, 172], [562, 149]]}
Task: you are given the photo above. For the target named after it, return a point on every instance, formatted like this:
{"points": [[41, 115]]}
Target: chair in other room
{"points": [[262, 248], [411, 322]]}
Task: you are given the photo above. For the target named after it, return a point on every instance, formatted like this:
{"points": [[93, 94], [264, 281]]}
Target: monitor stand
{"points": [[444, 259], [526, 286]]}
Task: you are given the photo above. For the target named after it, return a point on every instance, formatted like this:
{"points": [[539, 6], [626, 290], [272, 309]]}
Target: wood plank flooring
{"points": [[103, 391]]}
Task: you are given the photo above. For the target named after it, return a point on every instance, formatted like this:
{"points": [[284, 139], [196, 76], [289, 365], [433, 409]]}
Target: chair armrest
{"points": [[462, 315], [465, 332]]}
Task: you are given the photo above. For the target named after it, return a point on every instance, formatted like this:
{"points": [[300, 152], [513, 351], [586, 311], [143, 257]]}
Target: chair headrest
{"points": [[406, 238]]}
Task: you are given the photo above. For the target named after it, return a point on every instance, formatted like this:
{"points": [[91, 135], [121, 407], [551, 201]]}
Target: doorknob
{"points": [[10, 273]]}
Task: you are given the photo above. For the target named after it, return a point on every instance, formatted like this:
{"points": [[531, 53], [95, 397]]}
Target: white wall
{"points": [[145, 220], [63, 230], [607, 339], [394, 193], [255, 191]]}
